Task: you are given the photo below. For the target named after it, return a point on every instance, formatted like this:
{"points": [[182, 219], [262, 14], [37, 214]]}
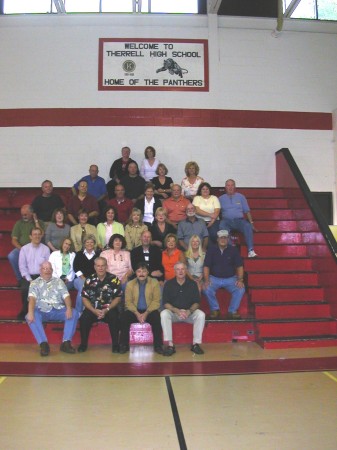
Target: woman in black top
{"points": [[160, 228], [162, 183]]}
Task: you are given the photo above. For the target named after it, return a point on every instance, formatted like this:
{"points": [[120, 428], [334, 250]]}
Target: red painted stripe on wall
{"points": [[211, 118]]}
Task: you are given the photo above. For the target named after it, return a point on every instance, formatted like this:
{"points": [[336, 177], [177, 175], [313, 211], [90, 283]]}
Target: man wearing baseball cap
{"points": [[223, 268]]}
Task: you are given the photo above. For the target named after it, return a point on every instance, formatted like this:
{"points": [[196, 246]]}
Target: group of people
{"points": [[145, 252]]}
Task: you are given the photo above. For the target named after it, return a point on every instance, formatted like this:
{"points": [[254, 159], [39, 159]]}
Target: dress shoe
{"points": [[214, 314], [197, 349], [44, 349], [233, 316], [158, 349], [169, 350], [66, 347], [82, 348], [123, 349], [115, 348]]}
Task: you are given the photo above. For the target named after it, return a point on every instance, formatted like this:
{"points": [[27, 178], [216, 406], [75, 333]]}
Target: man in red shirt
{"points": [[176, 206], [122, 205]]}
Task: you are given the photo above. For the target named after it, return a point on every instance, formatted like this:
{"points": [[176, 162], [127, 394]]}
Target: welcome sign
{"points": [[153, 64]]}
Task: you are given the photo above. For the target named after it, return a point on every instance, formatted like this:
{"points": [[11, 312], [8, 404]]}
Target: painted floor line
{"points": [[330, 376]]}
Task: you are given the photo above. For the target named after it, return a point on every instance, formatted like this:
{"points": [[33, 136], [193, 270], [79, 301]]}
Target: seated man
{"points": [[122, 205], [181, 299], [133, 183], [101, 294], [31, 257], [191, 226], [96, 186], [20, 236], [142, 303], [223, 268], [150, 254], [83, 200], [49, 300], [45, 203], [176, 206], [233, 208], [118, 170]]}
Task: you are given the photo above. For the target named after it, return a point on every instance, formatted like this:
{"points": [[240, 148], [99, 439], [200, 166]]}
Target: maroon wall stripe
{"points": [[113, 117]]}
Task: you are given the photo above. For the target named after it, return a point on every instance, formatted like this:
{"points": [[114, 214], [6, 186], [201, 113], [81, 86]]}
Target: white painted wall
{"points": [[52, 62]]}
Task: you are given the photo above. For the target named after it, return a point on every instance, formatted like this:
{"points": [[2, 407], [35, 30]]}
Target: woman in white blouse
{"points": [[190, 184], [62, 262], [149, 164]]}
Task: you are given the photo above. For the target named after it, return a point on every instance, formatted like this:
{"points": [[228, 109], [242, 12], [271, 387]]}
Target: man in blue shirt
{"points": [[234, 207], [96, 184], [223, 268]]}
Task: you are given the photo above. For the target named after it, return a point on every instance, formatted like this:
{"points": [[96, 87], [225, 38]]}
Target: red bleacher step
{"points": [[274, 265], [284, 238], [277, 251], [306, 342], [292, 311], [286, 225], [297, 328], [5, 244], [298, 294], [7, 277], [283, 279], [282, 214]]}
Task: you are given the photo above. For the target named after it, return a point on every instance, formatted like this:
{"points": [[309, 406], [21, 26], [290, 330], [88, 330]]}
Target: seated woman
{"points": [[148, 205], [149, 165], [207, 207], [171, 256], [195, 260], [133, 229], [57, 230], [84, 266], [192, 181], [119, 261], [107, 229], [83, 228], [62, 262], [161, 228], [162, 183]]}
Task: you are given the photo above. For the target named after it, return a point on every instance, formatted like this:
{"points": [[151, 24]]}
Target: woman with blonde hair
{"points": [[134, 228], [161, 228], [192, 181], [195, 257], [162, 183]]}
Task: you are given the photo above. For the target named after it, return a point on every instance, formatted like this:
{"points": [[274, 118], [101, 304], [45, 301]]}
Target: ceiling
{"points": [[244, 8]]}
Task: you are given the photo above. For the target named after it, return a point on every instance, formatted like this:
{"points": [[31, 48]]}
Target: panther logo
{"points": [[172, 67]]}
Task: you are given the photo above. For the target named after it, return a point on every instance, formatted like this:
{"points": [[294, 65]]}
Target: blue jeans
{"points": [[230, 285], [13, 258], [241, 225], [37, 327], [78, 285]]}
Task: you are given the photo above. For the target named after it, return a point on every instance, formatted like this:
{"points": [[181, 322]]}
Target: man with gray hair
{"points": [[176, 206], [49, 300], [181, 299]]}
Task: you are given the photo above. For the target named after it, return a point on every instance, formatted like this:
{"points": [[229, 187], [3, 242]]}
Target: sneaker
{"points": [[82, 348], [169, 350], [197, 349], [66, 347], [252, 254], [44, 349]]}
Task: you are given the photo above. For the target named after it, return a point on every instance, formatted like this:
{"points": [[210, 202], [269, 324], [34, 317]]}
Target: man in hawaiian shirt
{"points": [[101, 294]]}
